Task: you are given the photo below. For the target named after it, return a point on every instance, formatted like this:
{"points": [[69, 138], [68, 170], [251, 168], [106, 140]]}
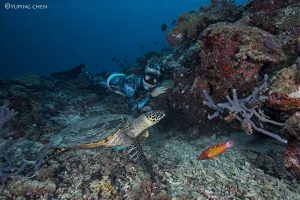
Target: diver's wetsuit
{"points": [[129, 86]]}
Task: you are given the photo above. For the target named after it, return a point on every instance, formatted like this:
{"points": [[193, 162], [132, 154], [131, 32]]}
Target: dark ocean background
{"points": [[92, 32]]}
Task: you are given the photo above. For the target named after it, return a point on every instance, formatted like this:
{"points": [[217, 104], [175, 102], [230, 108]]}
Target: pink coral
{"points": [[283, 102], [232, 56]]}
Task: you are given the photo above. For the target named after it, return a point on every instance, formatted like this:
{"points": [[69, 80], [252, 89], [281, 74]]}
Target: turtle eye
{"points": [[155, 80]]}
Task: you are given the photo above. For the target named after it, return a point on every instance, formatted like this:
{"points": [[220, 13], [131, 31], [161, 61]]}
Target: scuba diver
{"points": [[138, 89]]}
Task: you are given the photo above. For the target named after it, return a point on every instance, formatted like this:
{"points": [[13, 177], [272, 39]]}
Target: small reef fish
{"points": [[164, 27], [126, 62], [122, 66], [215, 150]]}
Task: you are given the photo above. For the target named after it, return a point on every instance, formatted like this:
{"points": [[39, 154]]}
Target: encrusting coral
{"points": [[284, 92], [189, 26], [292, 158], [233, 54]]}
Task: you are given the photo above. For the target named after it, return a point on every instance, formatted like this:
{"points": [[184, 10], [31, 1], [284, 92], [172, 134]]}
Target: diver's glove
{"points": [[135, 105], [158, 91]]}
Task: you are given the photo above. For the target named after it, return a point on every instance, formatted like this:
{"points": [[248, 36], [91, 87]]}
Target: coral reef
{"points": [[189, 26], [232, 56], [284, 81], [292, 158], [292, 125], [103, 174], [223, 49], [283, 102], [147, 190], [246, 171], [8, 168], [27, 188], [284, 92], [278, 17], [104, 187]]}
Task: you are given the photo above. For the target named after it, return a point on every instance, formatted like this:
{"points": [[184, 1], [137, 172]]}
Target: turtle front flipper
{"points": [[141, 138], [135, 153]]}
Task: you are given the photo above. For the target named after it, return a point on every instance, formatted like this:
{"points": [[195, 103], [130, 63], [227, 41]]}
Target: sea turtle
{"points": [[110, 130]]}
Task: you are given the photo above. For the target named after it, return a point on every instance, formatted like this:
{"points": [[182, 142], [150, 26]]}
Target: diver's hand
{"points": [[158, 91], [146, 109]]}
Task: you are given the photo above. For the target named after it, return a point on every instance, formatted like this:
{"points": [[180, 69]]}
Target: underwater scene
{"points": [[150, 100]]}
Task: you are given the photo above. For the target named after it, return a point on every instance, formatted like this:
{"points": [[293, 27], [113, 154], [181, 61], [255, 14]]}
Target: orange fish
{"points": [[215, 150]]}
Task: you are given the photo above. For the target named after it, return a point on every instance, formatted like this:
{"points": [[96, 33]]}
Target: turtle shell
{"points": [[91, 130]]}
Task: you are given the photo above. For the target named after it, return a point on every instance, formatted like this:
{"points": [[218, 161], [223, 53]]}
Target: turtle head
{"points": [[154, 116], [145, 121]]}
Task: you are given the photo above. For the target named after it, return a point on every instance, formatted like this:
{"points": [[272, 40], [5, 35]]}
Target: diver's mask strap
{"points": [[109, 86]]}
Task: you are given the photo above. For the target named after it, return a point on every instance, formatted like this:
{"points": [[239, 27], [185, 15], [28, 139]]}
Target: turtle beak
{"points": [[161, 115]]}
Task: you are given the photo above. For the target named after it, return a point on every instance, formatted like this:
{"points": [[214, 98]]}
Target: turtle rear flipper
{"points": [[47, 155], [43, 158], [135, 153]]}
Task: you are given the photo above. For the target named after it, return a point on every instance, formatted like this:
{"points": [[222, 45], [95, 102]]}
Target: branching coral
{"points": [[7, 167], [243, 110], [6, 114]]}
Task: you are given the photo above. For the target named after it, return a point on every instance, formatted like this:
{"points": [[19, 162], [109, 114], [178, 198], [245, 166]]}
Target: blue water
{"points": [[71, 32]]}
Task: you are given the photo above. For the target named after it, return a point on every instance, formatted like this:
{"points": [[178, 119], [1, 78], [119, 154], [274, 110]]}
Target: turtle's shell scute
{"points": [[90, 130]]}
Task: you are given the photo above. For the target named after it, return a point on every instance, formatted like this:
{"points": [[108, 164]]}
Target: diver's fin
{"points": [[135, 153], [72, 73]]}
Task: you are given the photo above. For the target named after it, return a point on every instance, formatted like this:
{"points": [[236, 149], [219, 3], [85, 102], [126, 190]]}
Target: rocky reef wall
{"points": [[220, 51]]}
